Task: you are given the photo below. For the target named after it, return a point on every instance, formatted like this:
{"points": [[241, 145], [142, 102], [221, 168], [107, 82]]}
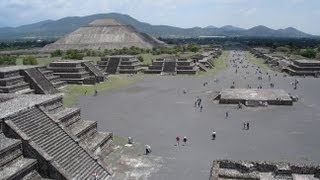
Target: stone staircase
{"points": [[39, 82], [169, 67], [47, 140], [85, 132], [112, 67], [94, 71], [12, 82], [55, 80], [12, 163]]}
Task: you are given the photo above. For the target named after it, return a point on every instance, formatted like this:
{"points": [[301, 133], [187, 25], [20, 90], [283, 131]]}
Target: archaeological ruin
{"points": [[76, 71], [254, 97], [172, 66], [256, 170], [303, 68], [119, 64], [28, 79], [39, 138], [105, 34]]}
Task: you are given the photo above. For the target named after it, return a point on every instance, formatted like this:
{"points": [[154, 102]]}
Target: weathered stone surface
{"points": [[105, 34]]}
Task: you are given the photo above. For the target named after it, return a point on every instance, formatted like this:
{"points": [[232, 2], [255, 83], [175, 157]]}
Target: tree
{"points": [[8, 60], [57, 53], [30, 60], [140, 58], [309, 53], [74, 54]]}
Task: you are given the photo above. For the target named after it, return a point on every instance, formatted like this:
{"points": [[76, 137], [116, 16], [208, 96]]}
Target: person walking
{"points": [[227, 114], [248, 126], [185, 140], [213, 135], [201, 107], [177, 140]]}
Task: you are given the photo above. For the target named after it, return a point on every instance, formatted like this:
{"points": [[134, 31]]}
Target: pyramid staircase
{"points": [[11, 81], [61, 157], [55, 80], [12, 163]]}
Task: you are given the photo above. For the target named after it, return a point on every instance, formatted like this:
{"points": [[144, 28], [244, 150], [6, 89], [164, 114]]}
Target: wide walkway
{"points": [[155, 110]]}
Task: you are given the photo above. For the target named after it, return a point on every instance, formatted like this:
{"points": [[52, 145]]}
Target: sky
{"points": [[301, 14]]}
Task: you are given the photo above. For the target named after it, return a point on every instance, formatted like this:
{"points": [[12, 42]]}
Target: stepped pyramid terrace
{"points": [[303, 68], [119, 64], [255, 170], [41, 139], [105, 34], [76, 71], [172, 66], [28, 79]]}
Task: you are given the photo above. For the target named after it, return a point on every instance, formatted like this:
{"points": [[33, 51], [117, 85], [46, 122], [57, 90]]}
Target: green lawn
{"points": [[73, 92], [220, 65], [41, 61], [256, 61]]}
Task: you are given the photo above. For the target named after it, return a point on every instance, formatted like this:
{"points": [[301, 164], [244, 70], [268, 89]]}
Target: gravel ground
{"points": [[154, 111]]}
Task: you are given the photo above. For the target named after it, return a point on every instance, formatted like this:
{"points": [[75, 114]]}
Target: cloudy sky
{"points": [[301, 14]]}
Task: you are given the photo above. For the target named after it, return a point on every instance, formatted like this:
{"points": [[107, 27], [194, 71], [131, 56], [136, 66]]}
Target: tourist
{"points": [[85, 93], [244, 125], [201, 107], [185, 140], [178, 140], [148, 149], [227, 114], [213, 135], [184, 91], [199, 102], [248, 126], [95, 92], [130, 140]]}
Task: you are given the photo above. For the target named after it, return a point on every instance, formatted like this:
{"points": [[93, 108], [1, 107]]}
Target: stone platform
{"points": [[255, 96], [255, 170]]}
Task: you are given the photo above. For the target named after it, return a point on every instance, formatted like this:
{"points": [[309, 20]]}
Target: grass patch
{"points": [[257, 61], [120, 140], [43, 61], [220, 65], [73, 92]]}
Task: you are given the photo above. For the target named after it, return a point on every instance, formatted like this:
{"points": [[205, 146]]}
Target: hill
{"points": [[50, 29]]}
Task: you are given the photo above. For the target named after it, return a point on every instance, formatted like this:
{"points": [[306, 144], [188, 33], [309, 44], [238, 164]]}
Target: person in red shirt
{"points": [[178, 140]]}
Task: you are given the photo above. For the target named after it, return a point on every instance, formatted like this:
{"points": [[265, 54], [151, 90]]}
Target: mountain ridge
{"points": [[52, 29]]}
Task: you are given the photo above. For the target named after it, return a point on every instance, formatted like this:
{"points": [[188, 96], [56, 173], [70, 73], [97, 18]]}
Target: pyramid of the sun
{"points": [[105, 34]]}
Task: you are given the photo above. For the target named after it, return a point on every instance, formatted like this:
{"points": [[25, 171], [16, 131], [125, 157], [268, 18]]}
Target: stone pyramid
{"points": [[105, 34]]}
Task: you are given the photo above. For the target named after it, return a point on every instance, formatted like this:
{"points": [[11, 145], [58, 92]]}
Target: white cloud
{"points": [[248, 12]]}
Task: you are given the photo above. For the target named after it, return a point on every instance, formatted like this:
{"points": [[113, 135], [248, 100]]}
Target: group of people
{"points": [[246, 126], [184, 140], [198, 104]]}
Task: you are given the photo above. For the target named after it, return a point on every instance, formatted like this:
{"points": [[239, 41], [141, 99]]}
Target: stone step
{"points": [[34, 175], [14, 88], [99, 139], [68, 116], [11, 81], [18, 169], [59, 84], [82, 129], [25, 91], [10, 149]]}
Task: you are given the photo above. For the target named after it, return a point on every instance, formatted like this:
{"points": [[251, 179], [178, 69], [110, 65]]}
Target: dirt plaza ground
{"points": [[155, 110]]}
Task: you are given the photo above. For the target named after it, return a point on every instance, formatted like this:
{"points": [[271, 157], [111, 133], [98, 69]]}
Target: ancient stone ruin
{"points": [[120, 64], [39, 138], [256, 170], [303, 68], [105, 34], [172, 66], [76, 72], [28, 79], [254, 97]]}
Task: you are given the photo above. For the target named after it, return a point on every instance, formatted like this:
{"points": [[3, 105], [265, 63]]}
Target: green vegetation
{"points": [[57, 53], [220, 64], [73, 92], [74, 54], [309, 53], [8, 60], [256, 61], [29, 60]]}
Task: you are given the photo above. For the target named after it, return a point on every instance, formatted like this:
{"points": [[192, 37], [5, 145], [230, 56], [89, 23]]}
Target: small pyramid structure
{"points": [[105, 34]]}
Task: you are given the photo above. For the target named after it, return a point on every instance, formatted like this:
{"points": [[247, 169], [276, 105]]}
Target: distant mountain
{"points": [[51, 29]]}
